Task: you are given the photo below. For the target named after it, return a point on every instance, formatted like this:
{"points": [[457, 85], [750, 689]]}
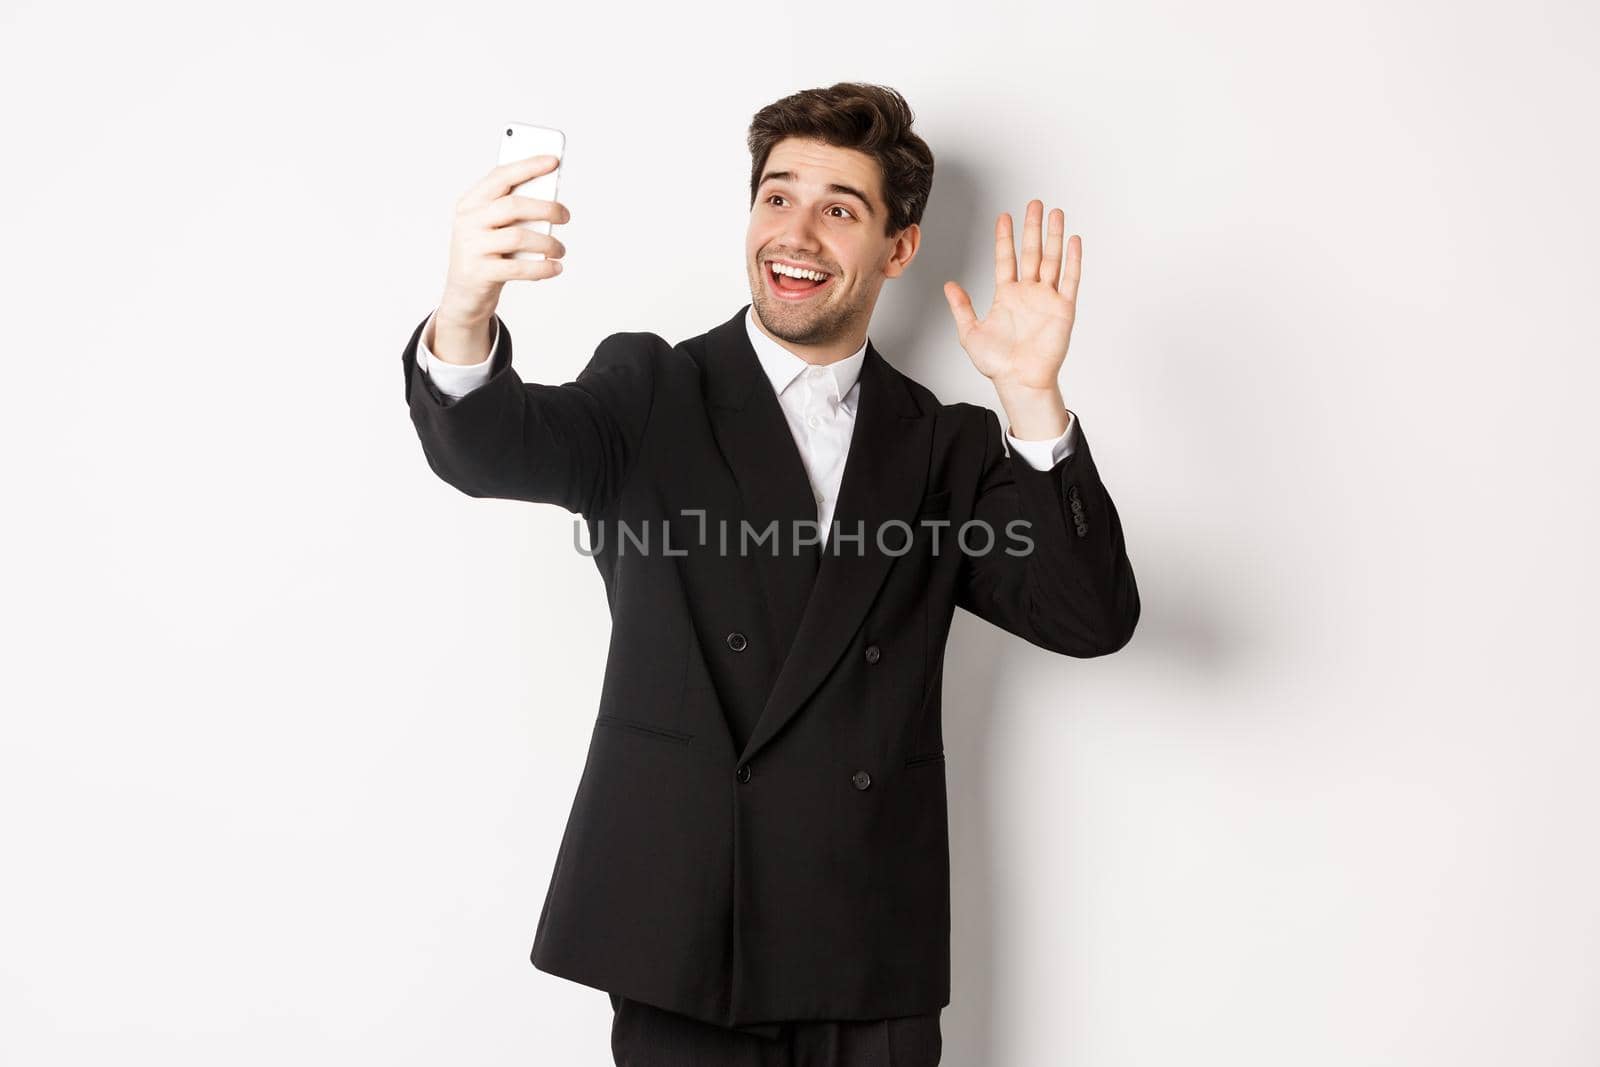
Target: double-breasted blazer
{"points": [[760, 830]]}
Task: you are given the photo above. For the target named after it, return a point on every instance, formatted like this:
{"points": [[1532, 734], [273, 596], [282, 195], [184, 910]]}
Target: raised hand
{"points": [[483, 244], [486, 234], [1022, 342]]}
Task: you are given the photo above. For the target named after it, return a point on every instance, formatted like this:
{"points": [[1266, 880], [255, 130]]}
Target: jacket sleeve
{"points": [[455, 380], [1057, 573], [570, 444]]}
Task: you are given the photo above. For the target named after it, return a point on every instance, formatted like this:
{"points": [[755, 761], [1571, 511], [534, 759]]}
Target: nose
{"points": [[799, 238]]}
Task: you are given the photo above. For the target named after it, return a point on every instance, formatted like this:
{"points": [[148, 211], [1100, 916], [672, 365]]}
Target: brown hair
{"points": [[873, 119]]}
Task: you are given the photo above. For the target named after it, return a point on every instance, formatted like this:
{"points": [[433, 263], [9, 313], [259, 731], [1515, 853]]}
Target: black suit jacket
{"points": [[759, 833]]}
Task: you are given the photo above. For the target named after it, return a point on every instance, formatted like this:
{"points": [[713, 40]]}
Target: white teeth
{"points": [[796, 272]]}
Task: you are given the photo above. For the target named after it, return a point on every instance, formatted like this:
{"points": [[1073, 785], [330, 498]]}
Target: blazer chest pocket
{"points": [[935, 504], [660, 733]]}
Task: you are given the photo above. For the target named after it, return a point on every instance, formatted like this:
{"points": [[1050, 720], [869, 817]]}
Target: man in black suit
{"points": [[756, 863]]}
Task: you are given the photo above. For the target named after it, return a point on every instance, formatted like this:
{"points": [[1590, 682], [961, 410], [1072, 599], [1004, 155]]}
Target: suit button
{"points": [[861, 779], [873, 654], [737, 642], [743, 773]]}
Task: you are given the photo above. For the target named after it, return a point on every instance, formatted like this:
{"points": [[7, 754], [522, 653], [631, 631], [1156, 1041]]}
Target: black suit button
{"points": [[737, 642], [743, 773], [873, 654], [861, 779]]}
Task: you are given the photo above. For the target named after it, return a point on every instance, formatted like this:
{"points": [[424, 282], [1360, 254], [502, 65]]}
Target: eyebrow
{"points": [[833, 187]]}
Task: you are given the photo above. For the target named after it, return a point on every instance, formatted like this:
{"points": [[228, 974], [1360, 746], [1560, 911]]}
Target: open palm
{"points": [[1023, 340]]}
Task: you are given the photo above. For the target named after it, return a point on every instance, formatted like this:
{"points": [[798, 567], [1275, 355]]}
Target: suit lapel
{"points": [[754, 438], [816, 608], [884, 475]]}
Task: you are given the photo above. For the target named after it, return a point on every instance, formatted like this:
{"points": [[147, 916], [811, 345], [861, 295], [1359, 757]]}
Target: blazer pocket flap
{"points": [[643, 728]]}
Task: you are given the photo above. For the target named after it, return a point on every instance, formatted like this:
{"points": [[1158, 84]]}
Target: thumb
{"points": [[960, 307]]}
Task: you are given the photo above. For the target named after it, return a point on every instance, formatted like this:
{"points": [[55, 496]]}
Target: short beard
{"points": [[833, 323]]}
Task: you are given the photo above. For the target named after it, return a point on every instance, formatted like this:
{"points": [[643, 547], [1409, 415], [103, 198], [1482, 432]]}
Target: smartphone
{"points": [[519, 141]]}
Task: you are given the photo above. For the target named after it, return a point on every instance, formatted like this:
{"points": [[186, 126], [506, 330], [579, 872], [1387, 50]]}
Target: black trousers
{"points": [[643, 1035]]}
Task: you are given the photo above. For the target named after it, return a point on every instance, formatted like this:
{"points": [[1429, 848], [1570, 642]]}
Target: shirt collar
{"points": [[782, 366]]}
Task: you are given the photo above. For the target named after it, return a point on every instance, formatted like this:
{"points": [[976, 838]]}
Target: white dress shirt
{"points": [[819, 402]]}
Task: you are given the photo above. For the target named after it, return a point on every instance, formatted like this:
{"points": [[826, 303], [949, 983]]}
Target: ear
{"points": [[904, 251]]}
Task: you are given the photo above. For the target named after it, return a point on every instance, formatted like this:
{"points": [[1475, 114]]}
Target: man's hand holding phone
{"points": [[486, 232]]}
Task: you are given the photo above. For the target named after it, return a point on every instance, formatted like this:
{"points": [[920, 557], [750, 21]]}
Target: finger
{"points": [[1069, 282], [510, 208], [510, 270], [521, 239], [960, 307], [1050, 268], [1030, 241], [1005, 252], [507, 176]]}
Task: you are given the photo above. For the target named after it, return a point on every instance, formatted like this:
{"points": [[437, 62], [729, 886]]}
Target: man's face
{"points": [[821, 207]]}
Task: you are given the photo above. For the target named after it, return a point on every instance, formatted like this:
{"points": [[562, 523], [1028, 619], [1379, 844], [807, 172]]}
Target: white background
{"points": [[291, 727]]}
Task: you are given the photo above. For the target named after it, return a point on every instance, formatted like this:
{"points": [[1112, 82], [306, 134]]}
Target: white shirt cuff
{"points": [[1042, 455], [454, 380]]}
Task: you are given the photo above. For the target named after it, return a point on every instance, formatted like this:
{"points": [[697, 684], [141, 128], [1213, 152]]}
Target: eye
{"points": [[779, 196]]}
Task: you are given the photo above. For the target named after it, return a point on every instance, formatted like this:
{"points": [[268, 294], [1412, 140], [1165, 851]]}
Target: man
{"points": [[756, 864]]}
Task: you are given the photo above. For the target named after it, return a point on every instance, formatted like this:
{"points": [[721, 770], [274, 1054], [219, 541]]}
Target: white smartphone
{"points": [[519, 140]]}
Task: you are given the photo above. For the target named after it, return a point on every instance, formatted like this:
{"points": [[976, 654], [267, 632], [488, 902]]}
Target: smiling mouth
{"points": [[792, 283]]}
